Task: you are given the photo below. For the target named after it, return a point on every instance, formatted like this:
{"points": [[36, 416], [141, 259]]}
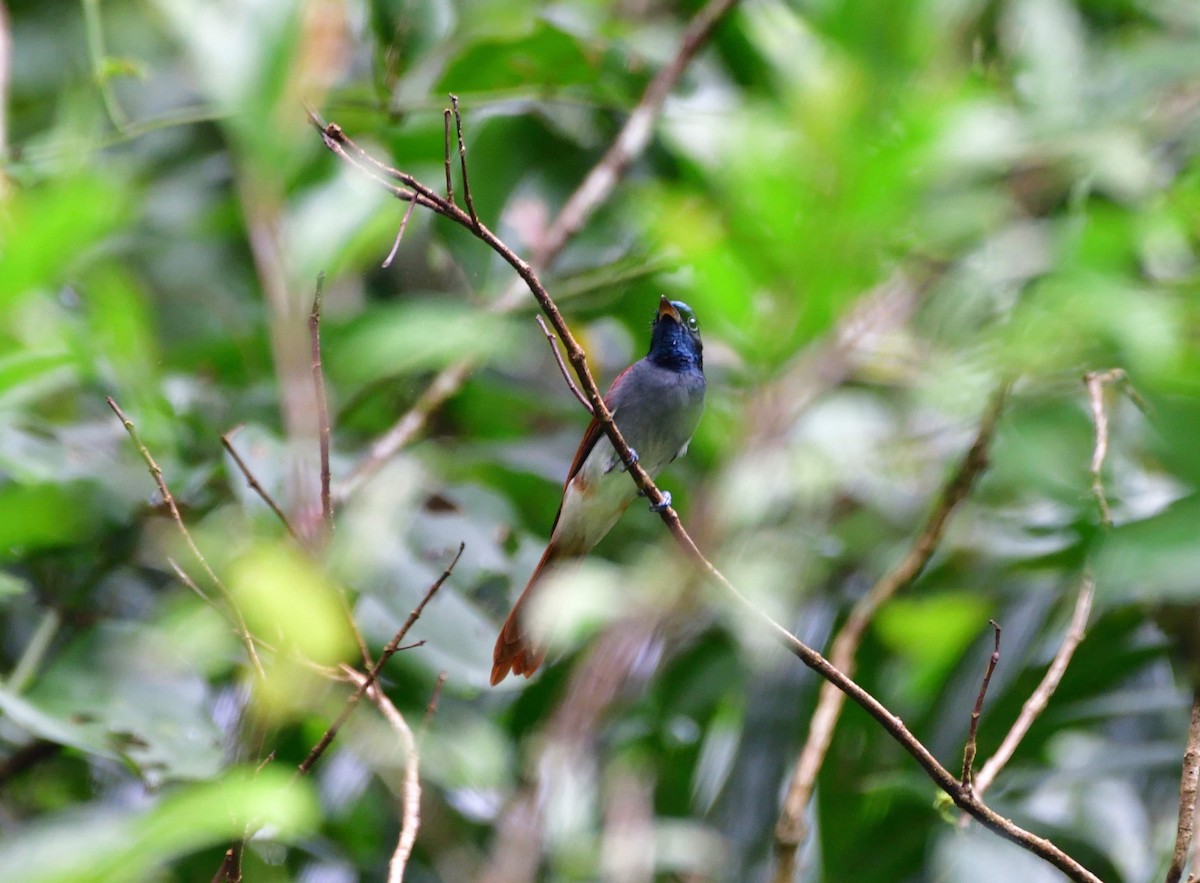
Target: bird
{"points": [[656, 403]]}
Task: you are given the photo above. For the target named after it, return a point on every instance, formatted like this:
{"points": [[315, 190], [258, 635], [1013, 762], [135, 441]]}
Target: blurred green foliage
{"points": [[1023, 172]]}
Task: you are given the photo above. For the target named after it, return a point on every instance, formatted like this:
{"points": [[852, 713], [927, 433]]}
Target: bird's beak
{"points": [[666, 308]]}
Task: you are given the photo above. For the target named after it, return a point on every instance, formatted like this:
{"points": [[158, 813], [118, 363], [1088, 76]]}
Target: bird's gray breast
{"points": [[657, 410]]}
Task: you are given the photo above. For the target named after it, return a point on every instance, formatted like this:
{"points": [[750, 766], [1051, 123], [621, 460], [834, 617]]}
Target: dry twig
{"points": [[790, 830], [1040, 698], [393, 646], [318, 376], [226, 441], [157, 474], [410, 820], [969, 751], [409, 189], [562, 365]]}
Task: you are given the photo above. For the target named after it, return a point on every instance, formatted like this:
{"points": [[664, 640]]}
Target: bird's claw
{"points": [[633, 458], [664, 505]]}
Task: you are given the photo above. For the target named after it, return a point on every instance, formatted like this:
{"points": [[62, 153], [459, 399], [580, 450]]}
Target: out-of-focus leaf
{"points": [[106, 844]]}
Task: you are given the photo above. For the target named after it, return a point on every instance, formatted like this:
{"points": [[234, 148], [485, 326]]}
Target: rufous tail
{"points": [[515, 652]]}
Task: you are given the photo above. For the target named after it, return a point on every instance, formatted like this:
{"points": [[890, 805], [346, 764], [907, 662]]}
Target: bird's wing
{"points": [[591, 435]]}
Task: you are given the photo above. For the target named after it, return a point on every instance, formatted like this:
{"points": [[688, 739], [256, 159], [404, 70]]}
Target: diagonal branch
{"points": [[790, 831], [595, 189], [157, 474], [340, 144]]}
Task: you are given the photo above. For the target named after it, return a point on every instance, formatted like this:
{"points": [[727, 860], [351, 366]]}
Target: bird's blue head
{"points": [[675, 341]]}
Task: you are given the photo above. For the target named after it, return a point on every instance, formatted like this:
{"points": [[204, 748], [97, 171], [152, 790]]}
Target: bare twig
{"points": [[562, 365], [462, 161], [1040, 697], [970, 750], [318, 376], [449, 176], [253, 482], [157, 474], [431, 708], [595, 189], [391, 256], [962, 797], [392, 647], [790, 830], [410, 820], [191, 584], [1188, 782]]}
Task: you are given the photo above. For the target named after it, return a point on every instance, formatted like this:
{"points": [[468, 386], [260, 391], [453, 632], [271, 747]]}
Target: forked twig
{"points": [[390, 650], [1040, 698], [970, 750], [562, 365], [157, 474]]}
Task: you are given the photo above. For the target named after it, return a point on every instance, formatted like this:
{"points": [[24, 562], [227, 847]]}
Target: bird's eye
{"points": [[693, 324]]}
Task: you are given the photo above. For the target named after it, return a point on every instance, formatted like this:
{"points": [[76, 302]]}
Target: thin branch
{"points": [[632, 140], [318, 376], [963, 797], [1188, 783], [254, 484], [157, 474], [462, 161], [410, 820], [562, 365], [392, 647], [431, 708], [595, 189], [790, 830], [1040, 697], [391, 256], [970, 750], [191, 584], [449, 177]]}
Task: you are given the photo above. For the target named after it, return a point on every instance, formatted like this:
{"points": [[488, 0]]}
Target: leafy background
{"points": [[1012, 184]]}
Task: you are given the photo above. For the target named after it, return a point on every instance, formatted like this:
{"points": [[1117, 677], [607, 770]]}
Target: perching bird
{"points": [[656, 403]]}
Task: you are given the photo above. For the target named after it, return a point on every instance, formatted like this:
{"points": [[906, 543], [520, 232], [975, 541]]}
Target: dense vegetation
{"points": [[904, 226]]}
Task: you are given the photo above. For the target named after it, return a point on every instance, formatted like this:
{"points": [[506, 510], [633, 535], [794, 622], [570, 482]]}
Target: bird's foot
{"points": [[633, 458], [664, 505]]}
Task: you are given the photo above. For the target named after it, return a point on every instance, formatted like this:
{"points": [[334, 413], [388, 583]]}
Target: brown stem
{"points": [[318, 376], [970, 750], [1187, 796]]}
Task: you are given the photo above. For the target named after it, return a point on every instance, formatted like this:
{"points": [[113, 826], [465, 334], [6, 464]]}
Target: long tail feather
{"points": [[515, 651]]}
